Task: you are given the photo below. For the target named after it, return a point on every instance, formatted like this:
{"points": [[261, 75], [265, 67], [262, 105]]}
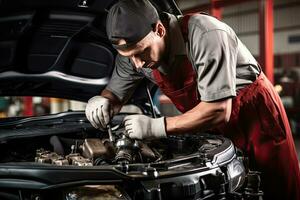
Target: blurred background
{"points": [[269, 28]]}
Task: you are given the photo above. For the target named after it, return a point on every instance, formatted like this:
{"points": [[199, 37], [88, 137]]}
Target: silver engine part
{"points": [[126, 149], [43, 156]]}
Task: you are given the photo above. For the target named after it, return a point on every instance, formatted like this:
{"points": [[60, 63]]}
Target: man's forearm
{"points": [[114, 100], [202, 117]]}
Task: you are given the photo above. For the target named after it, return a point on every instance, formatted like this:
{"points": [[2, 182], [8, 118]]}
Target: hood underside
{"points": [[57, 48]]}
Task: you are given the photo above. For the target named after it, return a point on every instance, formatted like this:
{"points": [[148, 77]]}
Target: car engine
{"points": [[176, 152], [95, 151], [88, 164]]}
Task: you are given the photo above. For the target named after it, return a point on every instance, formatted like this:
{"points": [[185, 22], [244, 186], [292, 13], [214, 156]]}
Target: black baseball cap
{"points": [[130, 20]]}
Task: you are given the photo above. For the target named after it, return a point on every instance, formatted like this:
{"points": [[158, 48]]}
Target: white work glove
{"points": [[143, 127], [99, 112]]}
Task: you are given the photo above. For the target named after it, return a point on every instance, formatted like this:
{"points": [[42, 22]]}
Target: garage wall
{"points": [[244, 20]]}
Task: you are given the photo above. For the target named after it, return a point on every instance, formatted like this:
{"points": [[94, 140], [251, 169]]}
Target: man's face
{"points": [[148, 52]]}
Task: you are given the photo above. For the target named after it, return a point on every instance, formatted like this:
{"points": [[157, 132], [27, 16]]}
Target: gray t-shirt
{"points": [[223, 64]]}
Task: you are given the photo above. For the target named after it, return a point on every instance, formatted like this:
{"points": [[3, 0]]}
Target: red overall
{"points": [[258, 125]]}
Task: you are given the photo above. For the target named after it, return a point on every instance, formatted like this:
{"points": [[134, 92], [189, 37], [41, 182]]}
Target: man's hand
{"points": [[143, 127], [99, 112]]}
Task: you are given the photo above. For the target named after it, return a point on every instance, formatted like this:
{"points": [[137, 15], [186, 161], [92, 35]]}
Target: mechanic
{"points": [[210, 76]]}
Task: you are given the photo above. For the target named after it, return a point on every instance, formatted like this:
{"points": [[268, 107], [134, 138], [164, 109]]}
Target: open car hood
{"points": [[57, 48]]}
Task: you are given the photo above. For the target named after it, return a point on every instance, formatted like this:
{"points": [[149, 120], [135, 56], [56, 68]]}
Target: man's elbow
{"points": [[225, 111]]}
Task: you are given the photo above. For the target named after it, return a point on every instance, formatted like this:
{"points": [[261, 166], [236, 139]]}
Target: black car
{"points": [[59, 48]]}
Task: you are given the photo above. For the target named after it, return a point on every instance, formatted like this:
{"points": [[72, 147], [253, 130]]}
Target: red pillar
{"points": [[215, 10], [266, 38], [28, 108]]}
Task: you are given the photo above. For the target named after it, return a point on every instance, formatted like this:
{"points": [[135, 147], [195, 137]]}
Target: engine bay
{"points": [[62, 152], [95, 151], [70, 140]]}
